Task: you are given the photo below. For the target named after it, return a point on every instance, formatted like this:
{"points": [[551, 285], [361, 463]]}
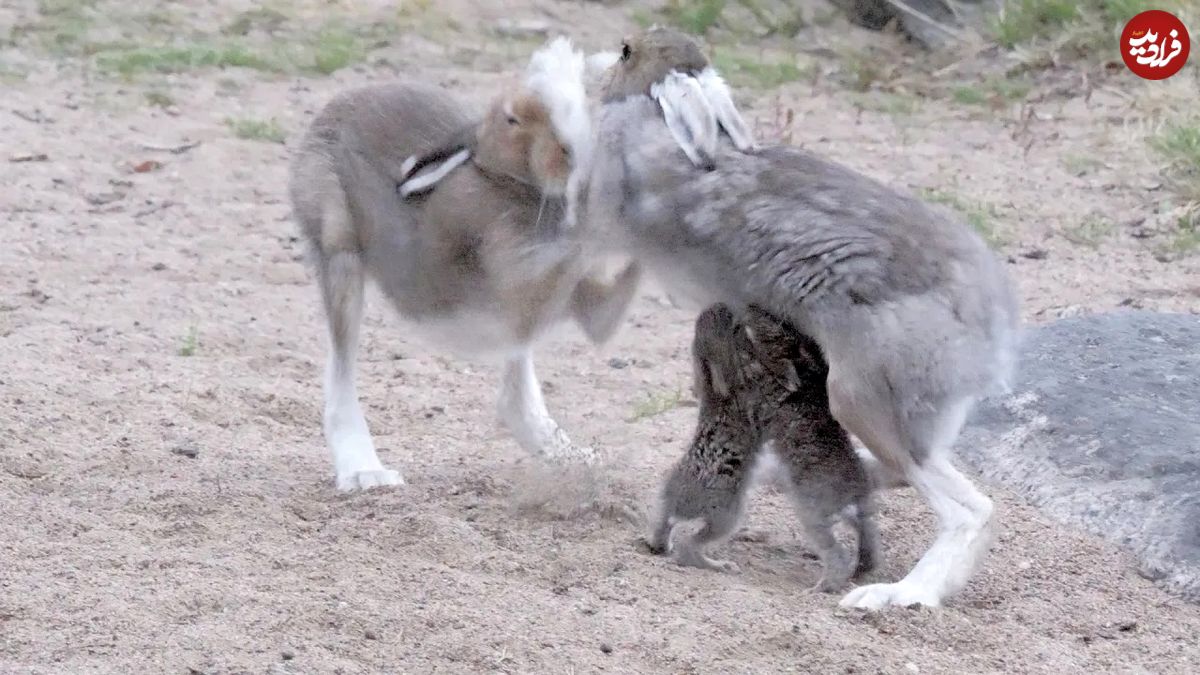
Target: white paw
{"points": [[726, 566], [691, 558], [364, 480], [874, 597], [752, 535], [574, 455]]}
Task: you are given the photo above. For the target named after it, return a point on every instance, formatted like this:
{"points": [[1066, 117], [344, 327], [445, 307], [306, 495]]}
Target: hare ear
{"points": [[718, 95], [689, 117], [419, 173], [422, 173]]}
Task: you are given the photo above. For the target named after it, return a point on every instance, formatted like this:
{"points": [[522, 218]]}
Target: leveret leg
{"points": [[835, 563], [658, 539], [869, 548], [356, 464], [523, 411], [691, 550]]}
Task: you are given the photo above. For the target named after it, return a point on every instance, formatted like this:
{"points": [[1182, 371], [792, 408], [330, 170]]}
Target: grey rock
{"points": [[934, 24], [187, 449], [1102, 431]]}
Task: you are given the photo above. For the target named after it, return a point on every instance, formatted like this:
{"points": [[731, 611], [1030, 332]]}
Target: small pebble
{"points": [[188, 450], [605, 647], [288, 655], [617, 363], [530, 28], [371, 635]]}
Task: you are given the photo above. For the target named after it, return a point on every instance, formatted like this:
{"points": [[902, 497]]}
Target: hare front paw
{"points": [[365, 480]]}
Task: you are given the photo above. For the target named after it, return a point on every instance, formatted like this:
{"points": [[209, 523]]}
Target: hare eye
{"points": [[626, 52], [513, 121]]}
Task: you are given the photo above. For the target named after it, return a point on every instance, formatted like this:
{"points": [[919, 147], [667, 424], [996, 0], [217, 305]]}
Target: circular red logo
{"points": [[1155, 44]]}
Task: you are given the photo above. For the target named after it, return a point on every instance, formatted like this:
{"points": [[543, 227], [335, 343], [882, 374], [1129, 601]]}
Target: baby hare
{"points": [[824, 474], [761, 386], [711, 480]]}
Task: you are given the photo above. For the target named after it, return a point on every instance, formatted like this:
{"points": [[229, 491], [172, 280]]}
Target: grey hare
{"points": [[915, 315]]}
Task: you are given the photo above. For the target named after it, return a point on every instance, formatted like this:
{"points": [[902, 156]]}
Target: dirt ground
{"points": [[166, 499]]}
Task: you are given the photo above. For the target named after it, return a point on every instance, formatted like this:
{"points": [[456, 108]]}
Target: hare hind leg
{"points": [[963, 517], [356, 464], [920, 452]]}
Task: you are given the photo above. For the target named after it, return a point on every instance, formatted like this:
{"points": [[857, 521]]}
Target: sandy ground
{"points": [[163, 512]]}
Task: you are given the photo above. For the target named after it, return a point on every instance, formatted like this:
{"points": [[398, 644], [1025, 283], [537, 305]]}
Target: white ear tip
{"points": [[601, 61], [428, 180], [717, 93], [407, 167]]}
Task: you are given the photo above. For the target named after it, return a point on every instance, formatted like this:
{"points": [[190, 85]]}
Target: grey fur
{"points": [[646, 58], [915, 315], [760, 382], [910, 306]]}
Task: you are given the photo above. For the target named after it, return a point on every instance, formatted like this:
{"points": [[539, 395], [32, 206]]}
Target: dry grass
{"points": [[128, 41], [979, 215]]}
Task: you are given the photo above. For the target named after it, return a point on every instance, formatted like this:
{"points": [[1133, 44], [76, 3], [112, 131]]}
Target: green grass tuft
{"points": [[191, 342], [694, 16], [1083, 25], [159, 99], [969, 95], [980, 216], [326, 52], [267, 131], [744, 71], [1184, 239], [886, 102], [334, 49], [995, 92], [178, 59], [656, 404], [1179, 144], [62, 27], [642, 18], [1091, 232], [1079, 165], [1022, 21]]}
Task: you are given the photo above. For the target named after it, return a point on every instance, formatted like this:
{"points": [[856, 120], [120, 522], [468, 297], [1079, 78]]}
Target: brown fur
{"points": [[516, 139], [484, 260]]}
